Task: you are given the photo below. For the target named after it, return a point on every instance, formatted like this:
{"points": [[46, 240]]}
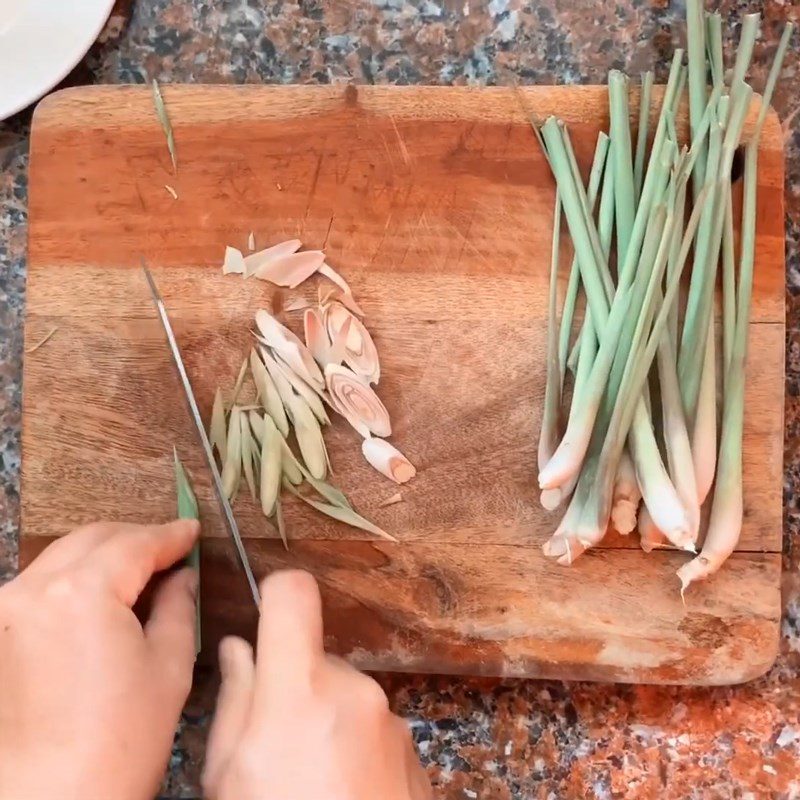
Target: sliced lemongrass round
{"points": [[353, 397], [360, 354], [316, 335], [347, 295], [234, 262], [291, 270], [388, 460]]}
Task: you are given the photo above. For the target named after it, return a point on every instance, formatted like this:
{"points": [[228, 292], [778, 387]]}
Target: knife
{"points": [[233, 528]]}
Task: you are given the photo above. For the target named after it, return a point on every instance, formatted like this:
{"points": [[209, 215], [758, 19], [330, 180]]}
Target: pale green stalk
{"points": [[696, 46], [716, 60], [621, 158], [641, 139], [728, 287], [727, 508]]}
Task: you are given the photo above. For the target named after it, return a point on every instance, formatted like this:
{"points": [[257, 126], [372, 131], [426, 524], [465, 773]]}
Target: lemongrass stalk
{"points": [[585, 523], [568, 311], [620, 154], [728, 287], [650, 537], [625, 496], [695, 44], [725, 524], [704, 431], [700, 300], [587, 206], [188, 509], [590, 270], [672, 262], [714, 49], [641, 138], [744, 50], [548, 434], [568, 457]]}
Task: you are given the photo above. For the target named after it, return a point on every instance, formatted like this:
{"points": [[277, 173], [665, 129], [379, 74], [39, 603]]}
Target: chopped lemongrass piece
{"points": [[268, 393], [43, 341], [270, 467], [251, 242], [355, 400], [257, 426], [247, 453], [388, 460], [324, 489], [316, 336], [290, 466], [289, 348], [360, 353], [390, 501], [309, 436], [311, 396], [163, 118], [171, 190], [626, 496], [232, 466], [298, 304], [290, 270], [263, 258], [218, 432], [233, 262], [346, 515]]}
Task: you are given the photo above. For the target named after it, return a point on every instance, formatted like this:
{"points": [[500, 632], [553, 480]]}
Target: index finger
{"points": [[289, 632], [127, 560]]}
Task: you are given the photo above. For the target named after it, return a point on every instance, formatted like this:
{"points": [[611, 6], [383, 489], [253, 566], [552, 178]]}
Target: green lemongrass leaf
{"points": [[218, 434], [281, 523], [188, 509], [232, 466], [641, 139], [346, 515], [268, 393], [270, 467], [716, 60], [247, 449], [163, 118]]}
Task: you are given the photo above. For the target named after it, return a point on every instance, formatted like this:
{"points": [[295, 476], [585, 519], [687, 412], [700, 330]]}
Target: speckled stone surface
{"points": [[479, 738]]}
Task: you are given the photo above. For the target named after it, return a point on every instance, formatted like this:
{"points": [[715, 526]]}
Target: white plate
{"points": [[41, 41]]}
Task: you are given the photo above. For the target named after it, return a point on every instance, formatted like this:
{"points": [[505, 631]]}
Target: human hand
{"points": [[299, 724], [89, 698]]}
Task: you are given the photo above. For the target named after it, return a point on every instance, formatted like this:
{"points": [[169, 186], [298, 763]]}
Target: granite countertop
{"points": [[479, 738]]}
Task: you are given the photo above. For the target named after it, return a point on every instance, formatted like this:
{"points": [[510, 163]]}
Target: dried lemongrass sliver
{"points": [[360, 355], [218, 432], [163, 118], [291, 270], [347, 294], [289, 348], [232, 466], [298, 304], [247, 453], [388, 460], [346, 515], [263, 258], [251, 241], [390, 501], [270, 467], [309, 436], [355, 400], [280, 523], [171, 190], [233, 263], [268, 393]]}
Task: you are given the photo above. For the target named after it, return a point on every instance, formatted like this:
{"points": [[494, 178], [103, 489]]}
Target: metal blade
{"points": [[233, 528]]}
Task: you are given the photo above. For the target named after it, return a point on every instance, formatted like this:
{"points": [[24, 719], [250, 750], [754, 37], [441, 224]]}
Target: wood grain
{"points": [[437, 206]]}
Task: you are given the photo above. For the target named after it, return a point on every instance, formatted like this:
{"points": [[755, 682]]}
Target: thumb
{"points": [[170, 631]]}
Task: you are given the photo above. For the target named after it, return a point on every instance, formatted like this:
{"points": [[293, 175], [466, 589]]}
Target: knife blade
{"points": [[227, 512]]}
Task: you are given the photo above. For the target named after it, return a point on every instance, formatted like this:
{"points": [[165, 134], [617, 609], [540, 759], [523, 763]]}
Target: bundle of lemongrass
{"points": [[293, 381], [617, 447]]}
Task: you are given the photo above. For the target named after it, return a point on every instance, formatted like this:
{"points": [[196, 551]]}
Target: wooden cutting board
{"points": [[436, 205]]}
